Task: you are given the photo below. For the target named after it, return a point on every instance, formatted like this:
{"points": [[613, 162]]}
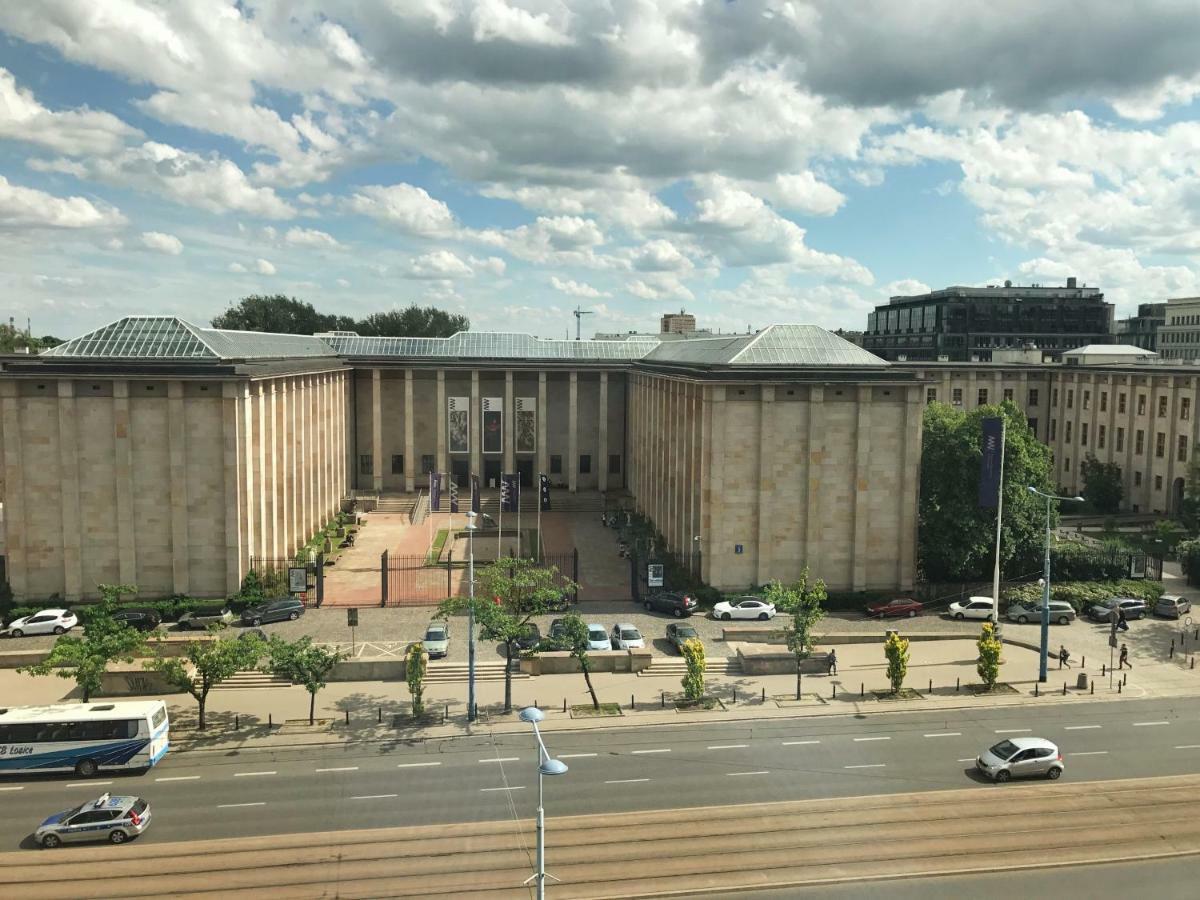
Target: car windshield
{"points": [[435, 634], [1004, 749], [597, 634], [684, 633], [630, 634]]}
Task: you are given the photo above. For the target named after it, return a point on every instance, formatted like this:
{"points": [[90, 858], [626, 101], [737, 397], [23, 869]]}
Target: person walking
{"points": [[1122, 623], [1124, 658], [1063, 656], [832, 663]]}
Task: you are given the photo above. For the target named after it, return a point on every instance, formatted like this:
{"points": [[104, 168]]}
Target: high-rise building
{"points": [[677, 323]]}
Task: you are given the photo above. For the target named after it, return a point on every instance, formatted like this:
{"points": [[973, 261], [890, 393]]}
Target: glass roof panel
{"points": [[167, 337], [803, 345]]}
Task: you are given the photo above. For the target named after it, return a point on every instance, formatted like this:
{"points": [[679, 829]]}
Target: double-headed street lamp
{"points": [[471, 527], [547, 765], [1042, 676]]}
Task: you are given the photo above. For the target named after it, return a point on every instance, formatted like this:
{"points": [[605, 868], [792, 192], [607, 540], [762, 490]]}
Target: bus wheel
{"points": [[86, 768]]}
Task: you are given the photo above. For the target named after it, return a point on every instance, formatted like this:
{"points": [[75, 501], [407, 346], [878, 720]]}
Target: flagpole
{"points": [[999, 520], [539, 517], [500, 527], [519, 553]]}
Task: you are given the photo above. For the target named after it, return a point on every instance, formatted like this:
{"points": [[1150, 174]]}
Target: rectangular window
{"points": [[1008, 393], [1139, 442], [1158, 482], [1100, 437], [585, 464], [956, 396], [1160, 445], [1033, 396], [1137, 479], [1032, 423], [555, 465], [1070, 398], [1120, 440], [1141, 404], [1185, 408], [1162, 407], [983, 396], [427, 463], [1121, 403], [614, 464], [1087, 399], [1104, 401], [1083, 430], [397, 463], [366, 464], [1067, 436], [931, 395], [1067, 464], [1054, 397], [1181, 450], [1053, 429]]}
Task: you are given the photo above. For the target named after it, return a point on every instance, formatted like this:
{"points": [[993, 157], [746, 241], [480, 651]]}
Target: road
{"points": [[211, 794]]}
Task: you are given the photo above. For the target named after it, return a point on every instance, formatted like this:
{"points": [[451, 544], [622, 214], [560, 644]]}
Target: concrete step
{"points": [[251, 678], [446, 673], [670, 666]]}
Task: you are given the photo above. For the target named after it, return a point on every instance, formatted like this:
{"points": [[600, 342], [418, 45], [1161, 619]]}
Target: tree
{"points": [[13, 340], [988, 664], [414, 321], [1189, 510], [956, 538], [304, 663], [279, 314], [895, 648], [802, 601], [414, 673], [693, 681], [575, 636], [1103, 485], [212, 662], [511, 592], [105, 640]]}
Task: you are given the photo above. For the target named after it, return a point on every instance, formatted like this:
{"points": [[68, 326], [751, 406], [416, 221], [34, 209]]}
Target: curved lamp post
{"points": [[547, 765], [1042, 676]]}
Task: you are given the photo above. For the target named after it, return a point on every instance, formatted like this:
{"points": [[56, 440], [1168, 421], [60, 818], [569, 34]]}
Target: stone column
{"points": [[376, 429], [860, 551], [276, 501], [303, 448], [177, 493], [712, 537], [476, 428], [602, 449], [69, 485], [123, 471], [766, 483], [910, 459], [15, 525], [510, 457], [409, 416], [813, 472], [283, 429], [232, 477], [443, 461], [320, 426], [573, 434], [543, 410], [330, 432], [252, 470]]}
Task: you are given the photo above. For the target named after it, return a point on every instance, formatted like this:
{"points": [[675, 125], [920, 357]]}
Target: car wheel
{"points": [[1064, 620], [959, 616], [294, 616], [1002, 776], [1022, 620], [58, 629], [17, 632], [911, 613], [1142, 614], [117, 836], [646, 606], [725, 617], [1054, 773], [51, 841], [762, 617], [256, 622], [86, 768], [677, 613]]}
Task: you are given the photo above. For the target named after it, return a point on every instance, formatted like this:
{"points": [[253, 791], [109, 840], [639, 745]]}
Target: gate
{"points": [[272, 574]]}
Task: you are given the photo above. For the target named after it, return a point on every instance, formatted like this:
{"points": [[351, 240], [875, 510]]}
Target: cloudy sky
{"points": [[753, 162]]}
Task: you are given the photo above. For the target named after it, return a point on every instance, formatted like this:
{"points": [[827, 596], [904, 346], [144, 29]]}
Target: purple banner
{"points": [[510, 492], [435, 491], [989, 467]]}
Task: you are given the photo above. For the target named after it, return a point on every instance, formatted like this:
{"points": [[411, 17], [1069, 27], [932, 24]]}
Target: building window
{"points": [[1053, 429], [427, 464], [1087, 399], [931, 395], [1070, 398], [982, 397], [1120, 440], [1067, 436], [1158, 482], [1008, 393], [1121, 403], [1139, 442], [1162, 407], [1083, 430], [1181, 450], [585, 464], [956, 396], [1141, 404], [555, 465], [366, 464], [1032, 423], [1137, 479], [614, 464], [397, 464], [1185, 408], [1104, 401], [1100, 437], [1160, 445], [1033, 396], [1067, 464], [1054, 397]]}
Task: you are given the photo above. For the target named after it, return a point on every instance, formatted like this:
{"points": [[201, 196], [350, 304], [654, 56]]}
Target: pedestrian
{"points": [[1124, 658], [832, 662], [1121, 621], [1063, 656]]}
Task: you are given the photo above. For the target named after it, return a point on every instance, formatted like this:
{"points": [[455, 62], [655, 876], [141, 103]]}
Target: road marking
{"points": [[575, 755], [798, 743], [968, 759], [1080, 727], [1089, 753], [416, 765], [87, 783], [1188, 747], [728, 746], [339, 769], [251, 774], [663, 750], [374, 797], [859, 740], [867, 766], [23, 788], [627, 781], [499, 759], [233, 805], [946, 734], [518, 787], [1145, 724], [180, 778], [763, 772], [1013, 730]]}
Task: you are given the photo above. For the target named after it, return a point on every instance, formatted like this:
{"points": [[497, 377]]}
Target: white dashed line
{"points": [[251, 774], [1080, 727], [968, 759], [87, 783], [859, 740], [499, 759], [1188, 747], [868, 766], [233, 805], [339, 769], [23, 788], [1089, 753], [575, 755], [663, 750], [374, 797], [180, 778], [763, 772], [627, 781], [519, 787], [798, 743], [728, 746], [1146, 724], [417, 765], [946, 734], [1013, 730]]}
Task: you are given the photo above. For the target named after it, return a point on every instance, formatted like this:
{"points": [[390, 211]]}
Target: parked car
{"points": [[273, 611], [973, 608], [598, 637], [141, 619], [193, 620], [744, 608], [46, 621], [1023, 757], [1172, 606], [902, 607], [558, 630], [625, 636], [1021, 612], [1132, 606], [437, 640], [530, 637], [107, 818], [677, 634], [677, 604]]}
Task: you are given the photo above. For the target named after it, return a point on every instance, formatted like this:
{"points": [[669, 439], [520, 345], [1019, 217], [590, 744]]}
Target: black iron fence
{"points": [[677, 572], [274, 576], [417, 581]]}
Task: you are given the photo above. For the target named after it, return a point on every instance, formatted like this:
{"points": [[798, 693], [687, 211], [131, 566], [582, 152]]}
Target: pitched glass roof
{"points": [[776, 345], [168, 337], [489, 345]]}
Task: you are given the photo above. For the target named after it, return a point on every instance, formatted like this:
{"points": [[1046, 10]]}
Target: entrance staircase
{"points": [[439, 672], [252, 678], [677, 667]]}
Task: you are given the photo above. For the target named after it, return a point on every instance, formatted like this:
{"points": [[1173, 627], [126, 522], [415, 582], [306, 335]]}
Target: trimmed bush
{"points": [[1082, 594]]}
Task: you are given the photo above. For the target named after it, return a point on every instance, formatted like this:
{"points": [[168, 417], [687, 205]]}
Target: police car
{"points": [[115, 819]]}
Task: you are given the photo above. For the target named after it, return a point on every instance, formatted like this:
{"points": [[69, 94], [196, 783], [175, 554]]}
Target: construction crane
{"points": [[579, 313]]}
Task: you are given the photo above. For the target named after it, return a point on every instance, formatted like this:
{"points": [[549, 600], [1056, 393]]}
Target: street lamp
{"points": [[547, 765], [471, 526], [1042, 676]]}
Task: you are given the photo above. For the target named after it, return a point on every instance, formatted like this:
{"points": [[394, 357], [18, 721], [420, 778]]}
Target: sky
{"points": [[750, 162]]}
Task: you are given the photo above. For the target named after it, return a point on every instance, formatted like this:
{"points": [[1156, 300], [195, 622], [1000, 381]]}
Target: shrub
{"points": [[1073, 561], [1081, 594]]}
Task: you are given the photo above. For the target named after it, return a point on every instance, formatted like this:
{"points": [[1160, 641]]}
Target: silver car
{"points": [[1061, 612], [437, 640], [1172, 606], [1025, 757], [107, 818], [193, 619]]}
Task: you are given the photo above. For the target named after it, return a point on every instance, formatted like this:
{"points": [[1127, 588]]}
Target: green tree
{"points": [[413, 321], [48, 340], [1103, 485], [988, 663], [956, 538], [895, 648], [693, 681], [13, 340], [85, 659], [511, 592], [211, 662], [1189, 509], [303, 662], [575, 636], [414, 673], [279, 314], [802, 601]]}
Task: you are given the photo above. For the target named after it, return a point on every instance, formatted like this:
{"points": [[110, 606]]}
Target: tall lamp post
{"points": [[1042, 676], [471, 527], [547, 765]]}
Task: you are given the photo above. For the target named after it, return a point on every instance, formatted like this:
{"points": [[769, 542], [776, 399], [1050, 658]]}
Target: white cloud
{"points": [[310, 237], [343, 283], [405, 207], [263, 267], [660, 256], [236, 267], [491, 265], [22, 207], [576, 288], [495, 20], [75, 132], [803, 193], [163, 243], [660, 286], [438, 264]]}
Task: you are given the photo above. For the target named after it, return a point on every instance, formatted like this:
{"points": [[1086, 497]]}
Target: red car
{"points": [[903, 607]]}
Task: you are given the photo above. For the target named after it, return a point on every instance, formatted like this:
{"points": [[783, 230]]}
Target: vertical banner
{"points": [[453, 496], [435, 491], [543, 493], [989, 466], [493, 424], [458, 424], [526, 424], [475, 494], [510, 492]]}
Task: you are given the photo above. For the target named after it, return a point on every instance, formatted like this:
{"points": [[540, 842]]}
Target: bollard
{"points": [[1193, 665], [564, 704], [631, 702], [835, 690], [957, 684], [764, 696], [536, 705], [931, 685], [347, 717], [1035, 689], [1093, 690], [1125, 679], [270, 721], [862, 690], [1064, 689], [1196, 636], [237, 722], [1083, 662], [735, 695], [1172, 653], [1103, 668], [445, 713], [1119, 683], [379, 714], [664, 699]]}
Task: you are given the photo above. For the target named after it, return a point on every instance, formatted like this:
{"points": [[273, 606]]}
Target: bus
{"points": [[83, 737]]}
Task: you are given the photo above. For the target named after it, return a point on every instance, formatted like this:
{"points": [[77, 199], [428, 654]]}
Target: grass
{"points": [[998, 688], [587, 711], [439, 541], [702, 703]]}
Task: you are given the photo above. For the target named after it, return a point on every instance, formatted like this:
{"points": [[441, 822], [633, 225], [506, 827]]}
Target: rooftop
{"points": [[168, 337]]}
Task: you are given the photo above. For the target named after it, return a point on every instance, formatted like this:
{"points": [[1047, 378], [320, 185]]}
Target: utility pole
{"points": [[579, 313]]}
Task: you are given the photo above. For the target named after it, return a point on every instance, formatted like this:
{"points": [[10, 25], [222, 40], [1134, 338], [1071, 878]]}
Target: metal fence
{"points": [[415, 581], [680, 572], [273, 574]]}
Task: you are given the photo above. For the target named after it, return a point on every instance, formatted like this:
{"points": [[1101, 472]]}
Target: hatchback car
{"points": [[1172, 606], [530, 637], [744, 608], [274, 611], [678, 634], [598, 637], [678, 605], [1028, 757], [893, 608], [107, 818], [437, 640], [138, 618], [1131, 606], [973, 608], [625, 636], [198, 619], [47, 621], [1061, 612]]}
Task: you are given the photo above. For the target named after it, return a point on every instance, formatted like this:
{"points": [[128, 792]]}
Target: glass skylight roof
{"points": [[167, 337], [490, 345], [802, 345]]}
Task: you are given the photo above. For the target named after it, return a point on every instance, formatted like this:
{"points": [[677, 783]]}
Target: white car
{"points": [[744, 608], [598, 637], [973, 608], [625, 636], [48, 621]]}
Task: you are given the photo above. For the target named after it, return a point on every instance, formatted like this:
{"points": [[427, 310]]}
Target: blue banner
{"points": [[435, 491], [544, 493], [510, 492], [989, 467]]}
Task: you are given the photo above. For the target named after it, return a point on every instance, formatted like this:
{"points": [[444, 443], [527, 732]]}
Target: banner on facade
{"points": [[493, 424], [435, 491], [526, 424], [453, 496], [510, 492], [989, 467], [475, 494], [458, 424], [543, 493]]}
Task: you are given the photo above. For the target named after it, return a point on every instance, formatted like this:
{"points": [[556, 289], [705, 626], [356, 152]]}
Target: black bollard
{"points": [[445, 713], [1119, 686], [1083, 662], [1125, 679], [957, 684], [1193, 665], [270, 723], [631, 702], [1093, 690], [735, 695], [1172, 653], [664, 699], [835, 690], [1103, 669], [347, 717], [764, 695], [1196, 636], [931, 685], [564, 704], [1035, 689], [862, 689], [379, 714], [1064, 689], [237, 722]]}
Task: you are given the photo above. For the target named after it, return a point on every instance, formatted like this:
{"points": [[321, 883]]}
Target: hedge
{"points": [[1081, 594]]}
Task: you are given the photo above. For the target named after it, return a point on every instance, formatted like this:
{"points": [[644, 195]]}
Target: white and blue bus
{"points": [[82, 737]]}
